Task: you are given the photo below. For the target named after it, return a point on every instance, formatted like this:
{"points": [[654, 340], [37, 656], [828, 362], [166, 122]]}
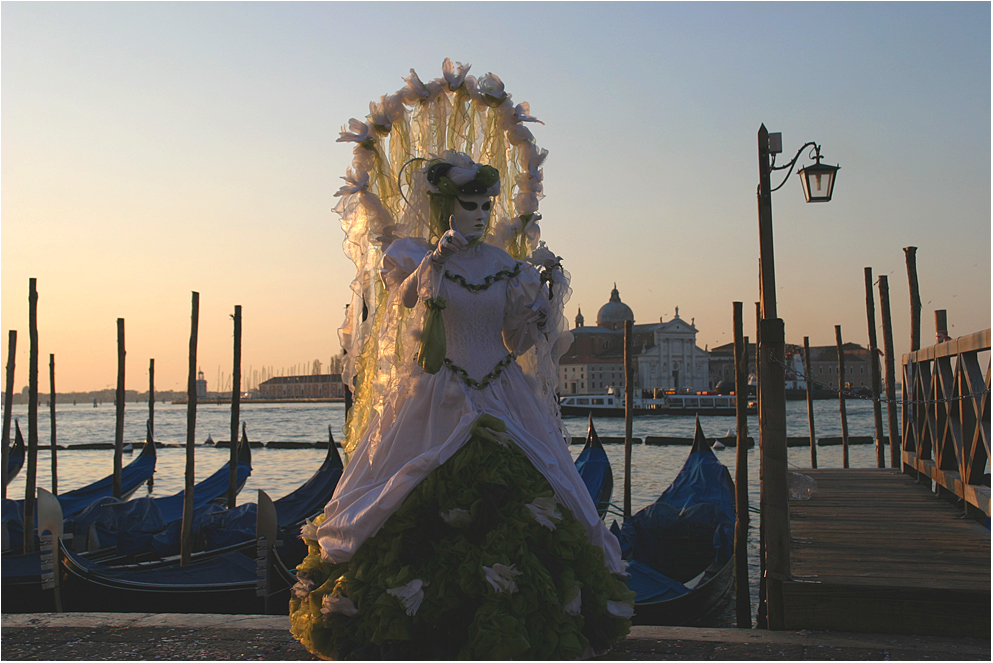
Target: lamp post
{"points": [[818, 186]]}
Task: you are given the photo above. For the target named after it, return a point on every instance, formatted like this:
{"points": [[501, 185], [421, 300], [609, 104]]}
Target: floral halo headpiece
{"points": [[474, 139]]}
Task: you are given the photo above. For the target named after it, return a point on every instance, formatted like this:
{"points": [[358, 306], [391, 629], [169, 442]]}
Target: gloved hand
{"points": [[538, 312], [450, 243]]}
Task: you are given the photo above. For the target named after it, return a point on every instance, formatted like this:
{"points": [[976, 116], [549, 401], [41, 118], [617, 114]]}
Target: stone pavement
{"points": [[149, 637]]}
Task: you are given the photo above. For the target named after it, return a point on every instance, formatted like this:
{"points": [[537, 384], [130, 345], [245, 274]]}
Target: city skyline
{"points": [[151, 150]]}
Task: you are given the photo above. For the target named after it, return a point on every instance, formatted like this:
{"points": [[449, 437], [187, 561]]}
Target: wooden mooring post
{"points": [[628, 412], [151, 401], [235, 410], [743, 603], [941, 326], [119, 404], [841, 396], [8, 396], [910, 254], [810, 402], [51, 414], [30, 483], [877, 410], [186, 540], [890, 363]]}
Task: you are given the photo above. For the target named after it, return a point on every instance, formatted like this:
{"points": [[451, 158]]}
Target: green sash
{"points": [[431, 356]]}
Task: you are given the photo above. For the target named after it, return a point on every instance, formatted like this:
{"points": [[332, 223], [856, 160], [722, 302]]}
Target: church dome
{"points": [[614, 313]]}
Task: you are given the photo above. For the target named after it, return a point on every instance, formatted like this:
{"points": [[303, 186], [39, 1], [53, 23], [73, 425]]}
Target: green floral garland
{"points": [[487, 282], [487, 379], [553, 603]]}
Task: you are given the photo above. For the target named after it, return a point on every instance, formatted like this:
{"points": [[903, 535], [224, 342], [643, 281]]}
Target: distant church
{"points": [[666, 354]]}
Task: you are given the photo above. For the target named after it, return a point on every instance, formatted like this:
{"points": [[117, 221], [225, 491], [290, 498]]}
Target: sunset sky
{"points": [[154, 149]]}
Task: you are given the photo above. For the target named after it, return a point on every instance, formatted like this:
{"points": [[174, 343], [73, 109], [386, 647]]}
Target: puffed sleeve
{"points": [[401, 259], [407, 264], [526, 296]]}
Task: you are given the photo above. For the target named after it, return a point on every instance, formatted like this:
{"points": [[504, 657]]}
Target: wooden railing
{"points": [[946, 417]]}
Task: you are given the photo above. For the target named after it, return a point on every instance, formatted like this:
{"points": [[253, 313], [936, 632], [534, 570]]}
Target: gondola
{"points": [[305, 503], [594, 468], [680, 550], [29, 578], [248, 578], [214, 526], [15, 458], [152, 523], [137, 472]]}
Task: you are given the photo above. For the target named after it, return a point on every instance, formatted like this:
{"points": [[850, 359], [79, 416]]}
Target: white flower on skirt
{"points": [[545, 510], [309, 530], [302, 589], [573, 606], [333, 603], [410, 595], [622, 609], [456, 517], [501, 577]]}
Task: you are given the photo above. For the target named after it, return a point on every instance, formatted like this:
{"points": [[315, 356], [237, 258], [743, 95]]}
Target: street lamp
{"points": [[818, 184], [817, 178]]}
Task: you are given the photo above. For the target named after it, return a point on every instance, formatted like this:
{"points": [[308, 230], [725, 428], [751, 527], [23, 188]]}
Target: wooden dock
{"points": [[874, 551]]}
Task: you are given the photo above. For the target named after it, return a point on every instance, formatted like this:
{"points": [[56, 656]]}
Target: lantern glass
{"points": [[818, 182]]}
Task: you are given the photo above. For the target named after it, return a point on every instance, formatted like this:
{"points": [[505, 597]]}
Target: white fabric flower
{"points": [[309, 530], [463, 168], [354, 182], [393, 106], [503, 231], [389, 235], [526, 202], [519, 134], [574, 605], [622, 609], [415, 89], [501, 577], [410, 595], [336, 603], [380, 119], [491, 89], [453, 77], [543, 257], [545, 510], [302, 589], [357, 132], [456, 517], [522, 113]]}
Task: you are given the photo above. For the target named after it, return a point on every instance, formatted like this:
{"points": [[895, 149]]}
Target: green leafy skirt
{"points": [[479, 562]]}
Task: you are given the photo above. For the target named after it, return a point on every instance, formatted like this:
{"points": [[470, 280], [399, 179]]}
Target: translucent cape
{"points": [[384, 198]]}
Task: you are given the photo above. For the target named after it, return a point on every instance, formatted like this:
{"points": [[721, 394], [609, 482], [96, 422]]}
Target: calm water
{"points": [[279, 471]]}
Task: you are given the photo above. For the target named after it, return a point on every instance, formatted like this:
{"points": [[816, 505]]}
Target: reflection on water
{"points": [[279, 471]]}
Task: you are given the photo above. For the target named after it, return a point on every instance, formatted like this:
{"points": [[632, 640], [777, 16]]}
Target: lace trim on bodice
{"points": [[488, 281], [487, 379]]}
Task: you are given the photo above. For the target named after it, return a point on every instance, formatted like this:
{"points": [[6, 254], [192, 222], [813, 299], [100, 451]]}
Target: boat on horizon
{"points": [[656, 402]]}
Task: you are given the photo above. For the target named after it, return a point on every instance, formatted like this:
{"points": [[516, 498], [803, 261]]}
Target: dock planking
{"points": [[872, 550]]}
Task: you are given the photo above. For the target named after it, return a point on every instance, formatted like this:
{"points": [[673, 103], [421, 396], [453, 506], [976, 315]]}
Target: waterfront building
{"points": [[595, 361], [823, 361], [302, 387], [674, 361]]}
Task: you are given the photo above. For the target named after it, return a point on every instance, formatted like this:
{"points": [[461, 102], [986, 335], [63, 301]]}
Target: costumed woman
{"points": [[460, 527]]}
